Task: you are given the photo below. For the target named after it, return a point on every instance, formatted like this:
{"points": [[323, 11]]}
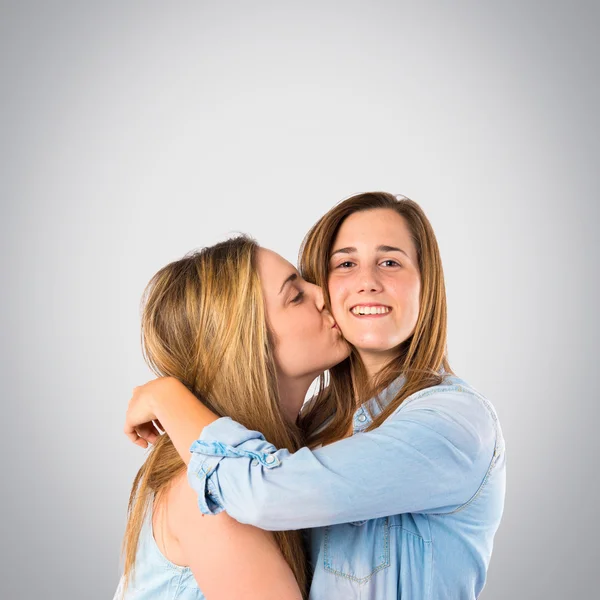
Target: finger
{"points": [[141, 443], [148, 432], [133, 436], [131, 433]]}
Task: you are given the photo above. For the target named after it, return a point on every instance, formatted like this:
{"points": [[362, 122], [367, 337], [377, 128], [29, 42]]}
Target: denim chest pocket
{"points": [[357, 550]]}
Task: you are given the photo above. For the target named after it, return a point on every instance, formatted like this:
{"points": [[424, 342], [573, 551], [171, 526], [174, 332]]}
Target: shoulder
{"points": [[452, 395], [185, 518], [227, 558], [455, 410]]}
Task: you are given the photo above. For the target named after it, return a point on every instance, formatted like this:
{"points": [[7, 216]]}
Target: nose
{"points": [[319, 297], [368, 281]]}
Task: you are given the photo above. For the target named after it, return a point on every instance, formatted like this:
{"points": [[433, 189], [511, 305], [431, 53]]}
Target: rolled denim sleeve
{"points": [[225, 438], [430, 456]]}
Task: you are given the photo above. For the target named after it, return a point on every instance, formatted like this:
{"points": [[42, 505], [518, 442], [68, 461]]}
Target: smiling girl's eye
{"points": [[298, 298], [345, 265], [390, 263]]}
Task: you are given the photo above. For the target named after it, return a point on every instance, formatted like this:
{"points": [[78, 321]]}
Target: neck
{"points": [[292, 393], [374, 362]]}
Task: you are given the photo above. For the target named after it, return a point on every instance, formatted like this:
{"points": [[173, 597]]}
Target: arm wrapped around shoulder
{"points": [[431, 455]]}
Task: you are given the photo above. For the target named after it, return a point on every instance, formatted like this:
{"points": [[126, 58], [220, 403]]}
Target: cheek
{"points": [[284, 355], [298, 343], [408, 296], [337, 294]]}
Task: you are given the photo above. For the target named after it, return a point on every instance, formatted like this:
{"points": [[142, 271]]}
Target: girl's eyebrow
{"points": [[391, 249], [347, 250], [291, 278], [350, 249]]}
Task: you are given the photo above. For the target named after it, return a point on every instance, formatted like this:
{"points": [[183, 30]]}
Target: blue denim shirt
{"points": [[408, 510]]}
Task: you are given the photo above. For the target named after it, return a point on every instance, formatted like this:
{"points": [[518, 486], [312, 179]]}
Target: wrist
{"points": [[164, 394]]}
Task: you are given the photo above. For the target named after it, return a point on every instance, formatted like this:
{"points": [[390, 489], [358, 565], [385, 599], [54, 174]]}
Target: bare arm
{"points": [[228, 559]]}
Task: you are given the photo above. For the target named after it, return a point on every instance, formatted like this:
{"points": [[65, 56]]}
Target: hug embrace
{"points": [[389, 482]]}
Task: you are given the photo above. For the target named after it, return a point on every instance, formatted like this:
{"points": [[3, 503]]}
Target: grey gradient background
{"points": [[131, 133]]}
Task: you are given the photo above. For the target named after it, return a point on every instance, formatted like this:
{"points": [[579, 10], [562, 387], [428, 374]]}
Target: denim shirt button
{"points": [[270, 459], [362, 418]]}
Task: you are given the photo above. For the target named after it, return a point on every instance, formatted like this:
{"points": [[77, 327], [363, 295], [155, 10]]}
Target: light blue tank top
{"points": [[156, 577]]}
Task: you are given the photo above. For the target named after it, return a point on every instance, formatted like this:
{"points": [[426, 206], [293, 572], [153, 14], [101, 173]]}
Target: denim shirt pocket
{"points": [[357, 550]]}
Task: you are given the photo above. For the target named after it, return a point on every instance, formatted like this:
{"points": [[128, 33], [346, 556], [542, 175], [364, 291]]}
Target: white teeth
{"points": [[370, 310]]}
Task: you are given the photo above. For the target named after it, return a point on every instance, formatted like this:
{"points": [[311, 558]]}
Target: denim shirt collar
{"points": [[362, 417]]}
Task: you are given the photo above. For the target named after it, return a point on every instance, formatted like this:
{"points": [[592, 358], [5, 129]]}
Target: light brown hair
{"points": [[419, 358], [204, 323]]}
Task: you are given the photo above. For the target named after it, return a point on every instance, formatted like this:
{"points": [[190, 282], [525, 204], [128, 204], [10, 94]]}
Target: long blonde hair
{"points": [[420, 358], [204, 323]]}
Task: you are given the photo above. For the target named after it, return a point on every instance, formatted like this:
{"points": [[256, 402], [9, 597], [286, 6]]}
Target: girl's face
{"points": [[374, 284], [306, 338]]}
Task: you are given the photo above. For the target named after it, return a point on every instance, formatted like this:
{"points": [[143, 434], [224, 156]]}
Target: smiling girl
{"points": [[402, 481]]}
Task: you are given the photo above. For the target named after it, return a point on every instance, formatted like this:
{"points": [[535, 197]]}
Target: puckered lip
{"points": [[376, 304]]}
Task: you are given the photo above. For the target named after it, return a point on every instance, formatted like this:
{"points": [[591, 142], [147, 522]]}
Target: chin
{"points": [[375, 345]]}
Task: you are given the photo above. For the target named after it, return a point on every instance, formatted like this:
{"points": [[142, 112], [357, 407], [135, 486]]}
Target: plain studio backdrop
{"points": [[133, 132]]}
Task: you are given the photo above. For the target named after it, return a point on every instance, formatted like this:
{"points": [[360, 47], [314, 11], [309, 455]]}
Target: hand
{"points": [[141, 423]]}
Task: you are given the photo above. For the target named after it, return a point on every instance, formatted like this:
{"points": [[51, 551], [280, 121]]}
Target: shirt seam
{"points": [[429, 587], [493, 460]]}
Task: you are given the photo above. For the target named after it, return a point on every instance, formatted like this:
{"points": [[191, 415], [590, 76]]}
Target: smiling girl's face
{"points": [[374, 284]]}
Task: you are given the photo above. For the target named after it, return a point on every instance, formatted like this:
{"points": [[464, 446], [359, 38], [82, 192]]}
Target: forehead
{"points": [[375, 227], [273, 269]]}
